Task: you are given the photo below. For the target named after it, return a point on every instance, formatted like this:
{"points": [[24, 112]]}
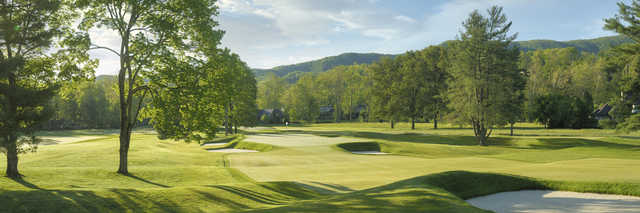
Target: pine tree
{"points": [[483, 69], [28, 77]]}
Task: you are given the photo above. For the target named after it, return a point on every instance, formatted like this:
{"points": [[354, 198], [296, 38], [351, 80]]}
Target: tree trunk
{"points": [[12, 158], [226, 119], [435, 121], [511, 129], [236, 128], [413, 123], [391, 123], [480, 132], [125, 139]]}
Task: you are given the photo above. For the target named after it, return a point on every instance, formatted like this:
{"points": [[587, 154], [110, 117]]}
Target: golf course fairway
{"points": [[312, 169]]}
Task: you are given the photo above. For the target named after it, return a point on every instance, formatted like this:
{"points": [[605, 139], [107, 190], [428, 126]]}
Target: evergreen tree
{"points": [[28, 77], [483, 69]]}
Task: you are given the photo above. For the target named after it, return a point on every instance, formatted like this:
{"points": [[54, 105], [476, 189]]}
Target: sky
{"points": [[269, 33]]}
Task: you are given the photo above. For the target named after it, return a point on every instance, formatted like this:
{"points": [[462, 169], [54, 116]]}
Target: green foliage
{"points": [[86, 105], [28, 76], [300, 100], [593, 46], [484, 73], [607, 124], [631, 124], [559, 111], [270, 91]]}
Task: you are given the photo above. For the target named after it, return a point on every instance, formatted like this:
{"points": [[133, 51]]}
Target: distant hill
{"points": [[293, 72], [587, 45], [321, 65]]}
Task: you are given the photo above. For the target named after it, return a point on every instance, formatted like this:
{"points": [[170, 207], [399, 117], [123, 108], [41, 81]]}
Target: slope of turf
{"points": [[306, 169], [166, 176], [442, 192]]}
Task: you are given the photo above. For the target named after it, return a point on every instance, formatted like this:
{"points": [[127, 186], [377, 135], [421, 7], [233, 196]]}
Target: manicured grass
{"points": [[442, 192], [166, 176], [309, 168]]}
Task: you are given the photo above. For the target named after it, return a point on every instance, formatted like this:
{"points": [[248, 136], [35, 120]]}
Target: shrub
{"points": [[607, 124], [631, 124]]}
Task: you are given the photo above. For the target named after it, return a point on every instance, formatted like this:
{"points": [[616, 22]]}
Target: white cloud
{"points": [[386, 34], [404, 18]]}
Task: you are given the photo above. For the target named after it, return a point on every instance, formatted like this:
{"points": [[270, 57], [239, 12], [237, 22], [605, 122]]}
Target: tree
{"points": [[483, 68], [269, 92], [385, 104], [27, 31], [300, 100], [155, 35], [627, 23]]}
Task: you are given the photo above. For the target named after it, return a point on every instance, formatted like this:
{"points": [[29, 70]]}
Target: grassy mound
{"points": [[441, 192], [236, 142]]}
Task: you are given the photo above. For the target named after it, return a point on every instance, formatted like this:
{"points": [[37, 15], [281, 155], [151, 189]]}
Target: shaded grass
{"points": [[359, 146], [217, 198]]}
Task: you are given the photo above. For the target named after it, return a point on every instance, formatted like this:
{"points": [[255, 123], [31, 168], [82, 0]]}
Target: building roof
{"points": [[603, 110]]}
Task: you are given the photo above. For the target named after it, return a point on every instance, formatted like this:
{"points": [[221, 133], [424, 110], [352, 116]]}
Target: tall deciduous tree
{"points": [[155, 35], [483, 68], [386, 104], [270, 91], [29, 77], [300, 100]]}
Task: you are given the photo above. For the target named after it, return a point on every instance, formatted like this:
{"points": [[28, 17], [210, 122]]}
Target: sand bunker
{"points": [[555, 201], [231, 150], [369, 153], [50, 140], [298, 140], [213, 144]]}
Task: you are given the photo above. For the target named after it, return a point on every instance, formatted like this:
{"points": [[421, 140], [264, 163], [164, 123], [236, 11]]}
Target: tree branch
{"points": [[95, 47]]}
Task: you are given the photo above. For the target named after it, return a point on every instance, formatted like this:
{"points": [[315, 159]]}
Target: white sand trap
{"points": [[369, 153], [299, 140], [50, 140], [231, 150], [213, 144], [539, 201]]}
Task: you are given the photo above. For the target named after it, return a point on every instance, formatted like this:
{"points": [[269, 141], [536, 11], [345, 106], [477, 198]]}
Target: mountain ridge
{"points": [[594, 45]]}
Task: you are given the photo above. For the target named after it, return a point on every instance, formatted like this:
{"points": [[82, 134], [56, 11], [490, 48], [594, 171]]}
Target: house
{"points": [[602, 113]]}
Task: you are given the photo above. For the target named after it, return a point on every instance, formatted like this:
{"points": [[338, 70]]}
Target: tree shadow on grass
{"points": [[251, 195], [146, 181], [44, 200], [334, 186], [463, 140], [458, 140], [561, 143]]}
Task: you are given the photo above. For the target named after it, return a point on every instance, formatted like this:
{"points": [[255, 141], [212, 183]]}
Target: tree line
{"points": [[480, 80], [172, 74]]}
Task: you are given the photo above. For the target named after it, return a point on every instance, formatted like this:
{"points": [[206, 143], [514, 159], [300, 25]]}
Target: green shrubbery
{"points": [[607, 124], [631, 124], [561, 111]]}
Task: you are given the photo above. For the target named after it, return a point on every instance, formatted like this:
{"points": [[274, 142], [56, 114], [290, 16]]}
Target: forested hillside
{"points": [[321, 65], [293, 72], [588, 45]]}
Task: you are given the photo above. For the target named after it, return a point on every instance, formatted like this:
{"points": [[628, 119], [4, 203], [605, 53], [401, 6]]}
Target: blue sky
{"points": [[268, 33]]}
